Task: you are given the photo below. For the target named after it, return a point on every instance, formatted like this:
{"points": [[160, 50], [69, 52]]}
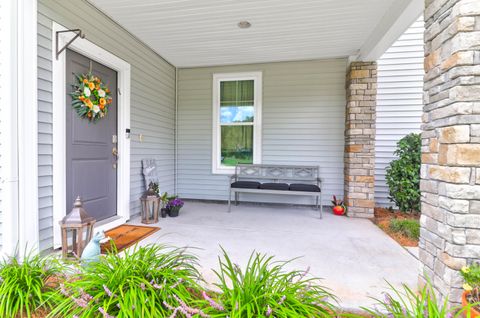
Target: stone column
{"points": [[359, 157], [450, 185]]}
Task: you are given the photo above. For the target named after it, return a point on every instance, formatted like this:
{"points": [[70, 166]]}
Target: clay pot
{"points": [[338, 210], [474, 313]]}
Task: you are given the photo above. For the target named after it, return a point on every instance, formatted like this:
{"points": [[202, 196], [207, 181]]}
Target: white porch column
{"points": [[450, 185]]}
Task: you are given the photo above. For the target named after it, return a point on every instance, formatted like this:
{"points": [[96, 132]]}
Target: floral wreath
{"points": [[90, 97]]}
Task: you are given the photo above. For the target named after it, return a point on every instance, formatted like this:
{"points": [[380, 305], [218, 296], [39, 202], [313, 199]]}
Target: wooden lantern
{"points": [[77, 229], [150, 202]]}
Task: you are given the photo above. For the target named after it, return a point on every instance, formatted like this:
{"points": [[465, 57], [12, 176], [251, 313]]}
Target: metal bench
{"points": [[276, 179]]}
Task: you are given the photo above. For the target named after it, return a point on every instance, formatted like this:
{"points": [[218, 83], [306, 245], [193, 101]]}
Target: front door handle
{"points": [[115, 152]]}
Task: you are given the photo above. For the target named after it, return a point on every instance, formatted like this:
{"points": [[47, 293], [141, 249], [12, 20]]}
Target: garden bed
{"points": [[384, 219]]}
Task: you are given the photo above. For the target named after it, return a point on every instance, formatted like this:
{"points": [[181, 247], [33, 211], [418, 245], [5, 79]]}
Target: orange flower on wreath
{"points": [[91, 85], [102, 107], [85, 81], [89, 103], [102, 101]]}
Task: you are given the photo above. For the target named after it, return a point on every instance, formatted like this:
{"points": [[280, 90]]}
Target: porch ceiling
{"points": [[191, 33]]}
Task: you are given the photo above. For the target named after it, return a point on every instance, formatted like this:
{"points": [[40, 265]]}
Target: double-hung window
{"points": [[237, 111]]}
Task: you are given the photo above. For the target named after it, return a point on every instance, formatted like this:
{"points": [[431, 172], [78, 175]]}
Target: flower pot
{"points": [[338, 210], [473, 311], [164, 212], [174, 211]]}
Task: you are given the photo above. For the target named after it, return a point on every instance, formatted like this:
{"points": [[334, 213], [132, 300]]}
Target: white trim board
{"points": [[94, 52], [217, 168], [27, 102]]}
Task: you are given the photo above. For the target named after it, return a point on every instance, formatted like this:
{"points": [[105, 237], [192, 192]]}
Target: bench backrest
{"points": [[277, 172]]}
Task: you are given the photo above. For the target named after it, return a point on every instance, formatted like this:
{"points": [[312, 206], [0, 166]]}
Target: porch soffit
{"points": [[191, 33]]}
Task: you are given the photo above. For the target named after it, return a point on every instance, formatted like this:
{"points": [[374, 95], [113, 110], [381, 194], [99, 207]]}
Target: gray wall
{"points": [[152, 100], [399, 100], [303, 123]]}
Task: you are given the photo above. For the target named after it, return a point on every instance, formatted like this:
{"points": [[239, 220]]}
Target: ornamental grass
{"points": [[24, 285]]}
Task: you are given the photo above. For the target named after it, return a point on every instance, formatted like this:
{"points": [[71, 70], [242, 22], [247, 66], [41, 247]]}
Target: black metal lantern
{"points": [[150, 206], [77, 230]]}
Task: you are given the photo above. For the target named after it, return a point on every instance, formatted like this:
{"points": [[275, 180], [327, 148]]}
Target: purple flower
{"points": [[80, 302], [175, 203], [108, 291], [212, 303], [269, 311], [105, 313], [63, 290], [177, 283], [142, 286], [282, 299]]}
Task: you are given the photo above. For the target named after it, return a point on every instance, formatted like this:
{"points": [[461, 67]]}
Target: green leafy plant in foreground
{"points": [[266, 289], [407, 303], [148, 281], [24, 285], [408, 227], [471, 276], [403, 174]]}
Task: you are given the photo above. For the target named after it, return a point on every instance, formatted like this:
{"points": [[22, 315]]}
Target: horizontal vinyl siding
{"points": [[303, 124], [399, 100], [152, 101], [45, 136]]}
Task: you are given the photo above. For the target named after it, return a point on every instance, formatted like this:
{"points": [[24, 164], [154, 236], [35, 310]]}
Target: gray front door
{"points": [[91, 166]]}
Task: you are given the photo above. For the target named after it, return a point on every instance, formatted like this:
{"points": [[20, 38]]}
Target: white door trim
{"points": [[90, 50]]}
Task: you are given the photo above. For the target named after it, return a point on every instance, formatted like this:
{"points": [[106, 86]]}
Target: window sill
{"points": [[224, 171]]}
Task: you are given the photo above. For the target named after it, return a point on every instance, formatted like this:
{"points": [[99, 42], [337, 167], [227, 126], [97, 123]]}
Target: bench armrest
{"points": [[233, 177]]}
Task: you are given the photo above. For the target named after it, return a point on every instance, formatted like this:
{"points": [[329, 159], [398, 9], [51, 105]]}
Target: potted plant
{"points": [[164, 209], [339, 207], [471, 295], [174, 205]]}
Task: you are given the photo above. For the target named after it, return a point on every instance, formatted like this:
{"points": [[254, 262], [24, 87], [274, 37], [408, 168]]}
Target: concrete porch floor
{"points": [[352, 256]]}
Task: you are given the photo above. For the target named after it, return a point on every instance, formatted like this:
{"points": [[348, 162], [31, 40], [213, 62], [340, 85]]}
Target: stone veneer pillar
{"points": [[450, 185], [359, 157]]}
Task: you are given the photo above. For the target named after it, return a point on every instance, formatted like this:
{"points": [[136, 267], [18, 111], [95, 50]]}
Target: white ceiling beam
{"points": [[396, 20]]}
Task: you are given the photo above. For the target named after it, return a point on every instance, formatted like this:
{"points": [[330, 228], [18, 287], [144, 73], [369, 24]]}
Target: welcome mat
{"points": [[127, 235]]}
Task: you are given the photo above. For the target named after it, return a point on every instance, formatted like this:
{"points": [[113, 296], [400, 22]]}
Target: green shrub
{"points": [[23, 285], [403, 174], [265, 289], [471, 275], [144, 282], [408, 227], [406, 303]]}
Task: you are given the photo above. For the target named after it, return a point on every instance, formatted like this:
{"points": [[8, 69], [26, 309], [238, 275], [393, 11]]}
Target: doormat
{"points": [[127, 235]]}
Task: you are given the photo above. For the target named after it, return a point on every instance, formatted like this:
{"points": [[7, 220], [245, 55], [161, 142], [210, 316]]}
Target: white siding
{"points": [[3, 57], [399, 100], [303, 124], [152, 100]]}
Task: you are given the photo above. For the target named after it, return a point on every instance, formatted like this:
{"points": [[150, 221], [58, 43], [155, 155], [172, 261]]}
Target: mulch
{"points": [[383, 218]]}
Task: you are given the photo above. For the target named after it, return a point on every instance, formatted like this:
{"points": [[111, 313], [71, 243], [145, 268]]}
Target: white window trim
{"points": [[217, 168], [123, 69]]}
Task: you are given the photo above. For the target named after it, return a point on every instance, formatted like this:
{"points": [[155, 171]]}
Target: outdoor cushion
{"points": [[304, 187], [246, 184], [274, 186]]}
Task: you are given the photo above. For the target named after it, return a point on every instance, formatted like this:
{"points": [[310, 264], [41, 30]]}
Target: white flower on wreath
{"points": [[96, 109], [101, 93], [87, 92]]}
